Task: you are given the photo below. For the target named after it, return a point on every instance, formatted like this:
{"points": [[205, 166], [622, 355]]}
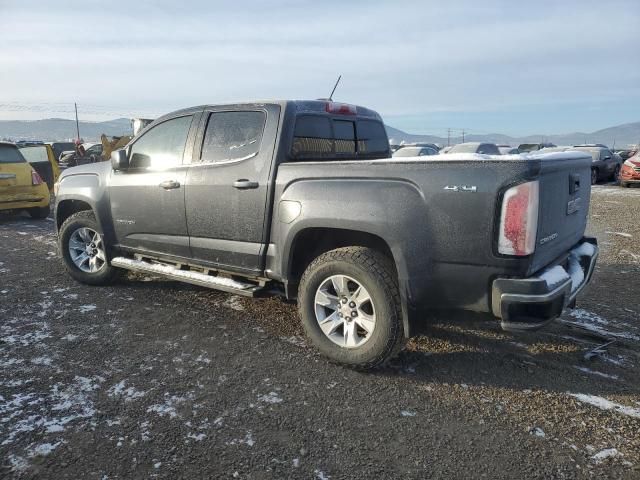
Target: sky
{"points": [[512, 67]]}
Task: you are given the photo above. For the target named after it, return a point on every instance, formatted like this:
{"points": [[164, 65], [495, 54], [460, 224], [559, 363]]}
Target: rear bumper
{"points": [[529, 303]]}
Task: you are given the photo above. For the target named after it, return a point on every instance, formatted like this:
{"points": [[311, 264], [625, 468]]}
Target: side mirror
{"points": [[608, 157], [119, 160]]}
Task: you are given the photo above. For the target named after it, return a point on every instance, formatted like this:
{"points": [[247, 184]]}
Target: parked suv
{"points": [[301, 197]]}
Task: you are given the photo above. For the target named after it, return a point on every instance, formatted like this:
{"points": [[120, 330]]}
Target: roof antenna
{"points": [[334, 88]]}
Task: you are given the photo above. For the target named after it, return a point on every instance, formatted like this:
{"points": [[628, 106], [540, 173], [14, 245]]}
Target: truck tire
{"points": [[615, 176], [81, 245], [39, 213], [594, 176], [349, 304]]}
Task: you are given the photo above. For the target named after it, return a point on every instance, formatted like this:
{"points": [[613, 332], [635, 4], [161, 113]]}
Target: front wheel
{"points": [[594, 176], [83, 251], [349, 304]]}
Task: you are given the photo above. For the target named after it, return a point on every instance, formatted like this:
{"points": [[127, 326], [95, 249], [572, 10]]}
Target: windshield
{"points": [[408, 152], [10, 154], [464, 148]]}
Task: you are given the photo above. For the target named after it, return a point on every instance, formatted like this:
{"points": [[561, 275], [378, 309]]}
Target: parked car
{"points": [[415, 152], [43, 160], [61, 148], [508, 150], [475, 147], [605, 165], [21, 187], [534, 147], [630, 171], [301, 197], [93, 153]]}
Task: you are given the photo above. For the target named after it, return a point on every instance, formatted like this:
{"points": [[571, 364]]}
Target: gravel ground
{"points": [[156, 379]]}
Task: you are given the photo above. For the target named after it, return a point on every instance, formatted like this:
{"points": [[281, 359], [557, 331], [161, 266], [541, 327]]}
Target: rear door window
{"points": [[232, 136], [10, 154]]}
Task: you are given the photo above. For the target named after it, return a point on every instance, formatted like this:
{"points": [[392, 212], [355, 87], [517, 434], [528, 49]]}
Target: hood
{"points": [[99, 168]]}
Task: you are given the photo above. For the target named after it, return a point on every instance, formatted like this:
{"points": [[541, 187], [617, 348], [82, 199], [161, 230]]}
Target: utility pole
{"points": [[448, 137], [463, 135], [77, 124]]}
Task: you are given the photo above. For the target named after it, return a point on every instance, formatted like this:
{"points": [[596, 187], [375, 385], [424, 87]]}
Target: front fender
{"points": [[89, 189]]}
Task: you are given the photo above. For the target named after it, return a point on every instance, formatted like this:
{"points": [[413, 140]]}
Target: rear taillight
{"points": [[35, 178], [341, 108], [519, 220]]}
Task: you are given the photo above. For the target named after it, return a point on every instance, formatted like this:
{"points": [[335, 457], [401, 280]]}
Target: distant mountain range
{"points": [[51, 129], [620, 136], [62, 129]]}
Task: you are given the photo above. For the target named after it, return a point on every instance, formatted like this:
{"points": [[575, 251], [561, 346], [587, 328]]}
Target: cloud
{"points": [[402, 58]]}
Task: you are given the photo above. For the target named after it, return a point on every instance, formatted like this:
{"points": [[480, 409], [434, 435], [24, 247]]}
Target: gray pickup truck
{"points": [[302, 199]]}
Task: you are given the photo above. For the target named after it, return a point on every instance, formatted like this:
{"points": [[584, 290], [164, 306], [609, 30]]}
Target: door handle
{"points": [[169, 184], [244, 184]]}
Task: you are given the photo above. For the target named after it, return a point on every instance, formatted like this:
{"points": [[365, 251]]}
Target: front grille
{"points": [[637, 169]]}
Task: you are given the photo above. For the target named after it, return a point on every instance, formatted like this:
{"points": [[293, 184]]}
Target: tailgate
{"points": [[565, 191]]}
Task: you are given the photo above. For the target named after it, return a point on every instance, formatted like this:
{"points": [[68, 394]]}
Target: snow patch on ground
{"points": [[63, 404], [127, 393], [604, 404], [604, 454], [43, 449], [247, 440], [595, 372], [538, 432], [592, 322], [620, 234], [86, 308], [168, 408], [271, 397], [234, 303]]}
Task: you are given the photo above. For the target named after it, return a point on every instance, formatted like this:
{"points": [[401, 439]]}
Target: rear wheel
{"points": [[349, 305], [83, 251], [616, 173], [594, 176], [39, 213]]}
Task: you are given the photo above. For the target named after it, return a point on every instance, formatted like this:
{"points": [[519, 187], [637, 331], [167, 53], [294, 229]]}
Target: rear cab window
{"points": [[10, 154], [322, 136]]}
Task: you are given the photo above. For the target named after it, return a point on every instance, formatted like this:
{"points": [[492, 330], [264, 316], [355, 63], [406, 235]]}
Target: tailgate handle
{"points": [[574, 183]]}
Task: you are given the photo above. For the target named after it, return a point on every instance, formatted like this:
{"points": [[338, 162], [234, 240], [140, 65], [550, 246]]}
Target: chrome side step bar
{"points": [[196, 278]]}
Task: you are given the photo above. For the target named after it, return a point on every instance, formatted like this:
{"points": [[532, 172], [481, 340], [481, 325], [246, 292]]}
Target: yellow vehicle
{"points": [[21, 187], [42, 160]]}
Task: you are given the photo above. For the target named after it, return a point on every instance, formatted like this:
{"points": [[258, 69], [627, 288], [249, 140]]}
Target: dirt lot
{"points": [[156, 379]]}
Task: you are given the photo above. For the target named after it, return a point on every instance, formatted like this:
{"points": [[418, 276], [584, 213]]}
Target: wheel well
{"points": [[312, 242], [66, 208]]}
